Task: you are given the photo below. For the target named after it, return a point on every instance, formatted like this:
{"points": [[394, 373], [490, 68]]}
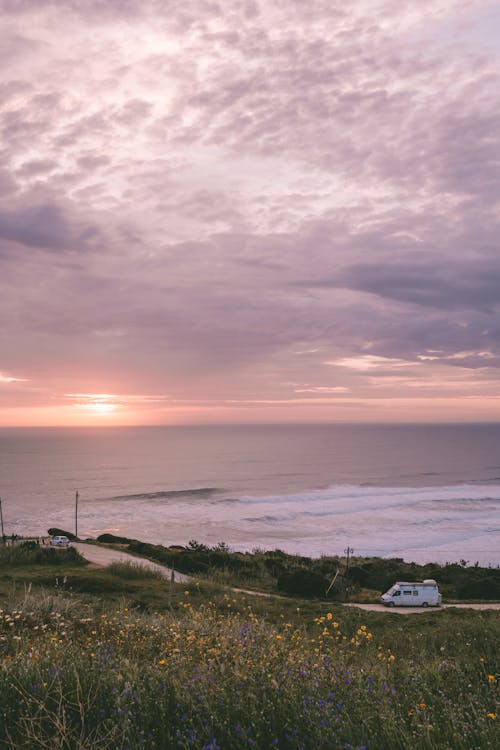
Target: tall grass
{"points": [[217, 675], [34, 554], [131, 571]]}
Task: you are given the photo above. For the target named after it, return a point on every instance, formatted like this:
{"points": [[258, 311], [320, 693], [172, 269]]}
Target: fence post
{"points": [[171, 588]]}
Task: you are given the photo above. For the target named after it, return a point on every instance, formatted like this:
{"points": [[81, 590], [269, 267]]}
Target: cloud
{"points": [[10, 379], [43, 226], [193, 193], [430, 283]]}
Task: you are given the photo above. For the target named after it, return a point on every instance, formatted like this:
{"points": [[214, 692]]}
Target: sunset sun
{"points": [[99, 404]]}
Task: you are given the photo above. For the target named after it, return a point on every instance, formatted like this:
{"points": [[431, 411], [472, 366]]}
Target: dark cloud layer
{"points": [[43, 226]]}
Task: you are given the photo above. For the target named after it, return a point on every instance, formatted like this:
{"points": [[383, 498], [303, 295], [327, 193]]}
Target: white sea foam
{"points": [[428, 523]]}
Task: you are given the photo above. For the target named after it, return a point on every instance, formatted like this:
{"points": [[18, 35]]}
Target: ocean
{"points": [[421, 492]]}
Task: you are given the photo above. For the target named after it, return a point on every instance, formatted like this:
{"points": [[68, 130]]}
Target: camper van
{"points": [[417, 594]]}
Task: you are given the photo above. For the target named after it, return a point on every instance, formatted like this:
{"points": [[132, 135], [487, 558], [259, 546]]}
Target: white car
{"points": [[59, 541]]}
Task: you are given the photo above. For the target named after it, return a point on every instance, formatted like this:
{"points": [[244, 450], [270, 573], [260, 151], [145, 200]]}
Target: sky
{"points": [[249, 211]]}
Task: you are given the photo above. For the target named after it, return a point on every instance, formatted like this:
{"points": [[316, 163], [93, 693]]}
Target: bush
{"points": [[112, 539], [482, 588], [191, 562], [61, 532], [153, 551], [302, 582]]}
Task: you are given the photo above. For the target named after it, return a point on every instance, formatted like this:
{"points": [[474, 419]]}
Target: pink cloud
{"points": [[193, 194]]}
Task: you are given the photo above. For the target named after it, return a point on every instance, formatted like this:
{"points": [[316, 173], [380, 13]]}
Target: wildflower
{"points": [[162, 661], [491, 678], [491, 715], [422, 705]]}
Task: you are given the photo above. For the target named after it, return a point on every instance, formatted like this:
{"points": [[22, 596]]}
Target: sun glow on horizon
{"points": [[100, 404]]}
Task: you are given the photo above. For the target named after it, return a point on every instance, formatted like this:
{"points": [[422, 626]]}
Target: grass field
{"points": [[96, 659]]}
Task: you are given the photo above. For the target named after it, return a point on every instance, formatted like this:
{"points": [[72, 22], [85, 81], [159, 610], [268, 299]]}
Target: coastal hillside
{"points": [[111, 658]]}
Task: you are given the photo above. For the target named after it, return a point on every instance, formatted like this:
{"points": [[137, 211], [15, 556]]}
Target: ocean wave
{"points": [[199, 492], [265, 519], [363, 497]]}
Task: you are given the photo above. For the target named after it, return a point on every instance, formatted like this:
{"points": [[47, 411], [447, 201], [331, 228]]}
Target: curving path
{"points": [[103, 556], [416, 610]]}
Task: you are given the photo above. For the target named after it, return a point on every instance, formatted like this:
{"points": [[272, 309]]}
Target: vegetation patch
{"points": [[31, 553], [327, 577], [112, 658], [134, 571], [61, 532], [226, 672]]}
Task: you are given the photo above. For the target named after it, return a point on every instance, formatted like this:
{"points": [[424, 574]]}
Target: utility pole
{"points": [[348, 553], [171, 588], [76, 514], [1, 520]]}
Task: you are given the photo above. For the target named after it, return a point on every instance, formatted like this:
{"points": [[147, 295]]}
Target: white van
{"points": [[416, 594]]}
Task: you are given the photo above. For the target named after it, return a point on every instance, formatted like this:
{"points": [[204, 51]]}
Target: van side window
{"points": [[415, 593], [397, 593], [407, 593]]}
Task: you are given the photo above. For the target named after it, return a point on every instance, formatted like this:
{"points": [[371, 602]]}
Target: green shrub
{"points": [[112, 539], [61, 532], [192, 562], [486, 587], [302, 582]]}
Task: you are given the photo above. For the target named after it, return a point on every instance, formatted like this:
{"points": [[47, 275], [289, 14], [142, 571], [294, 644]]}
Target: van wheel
{"points": [[425, 604], [391, 604]]}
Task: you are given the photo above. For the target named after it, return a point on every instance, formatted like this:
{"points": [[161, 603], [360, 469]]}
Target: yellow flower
{"points": [[491, 678], [162, 661], [491, 715], [422, 705]]}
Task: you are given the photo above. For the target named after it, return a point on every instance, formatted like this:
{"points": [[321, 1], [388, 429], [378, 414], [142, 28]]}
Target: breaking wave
{"points": [[199, 492]]}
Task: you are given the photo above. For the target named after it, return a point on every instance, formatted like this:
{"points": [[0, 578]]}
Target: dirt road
{"points": [[104, 556], [416, 610]]}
